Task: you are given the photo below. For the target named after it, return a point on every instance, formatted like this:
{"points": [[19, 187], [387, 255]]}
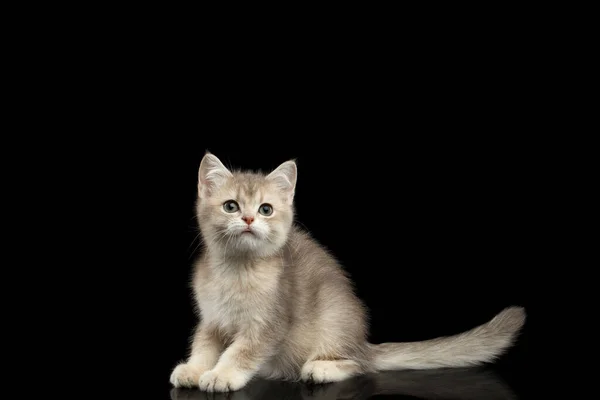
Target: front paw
{"points": [[186, 375], [222, 381]]}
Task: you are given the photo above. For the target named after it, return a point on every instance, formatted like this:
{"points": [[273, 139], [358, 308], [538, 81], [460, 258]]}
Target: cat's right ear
{"points": [[284, 177], [211, 174]]}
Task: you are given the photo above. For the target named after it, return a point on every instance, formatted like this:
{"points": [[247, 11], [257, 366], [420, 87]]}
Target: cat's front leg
{"points": [[237, 365], [206, 349]]}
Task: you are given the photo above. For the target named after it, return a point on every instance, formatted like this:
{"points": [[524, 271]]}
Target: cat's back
{"points": [[325, 291], [312, 259]]}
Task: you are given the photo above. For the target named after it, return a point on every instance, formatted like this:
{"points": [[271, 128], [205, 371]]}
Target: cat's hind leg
{"points": [[324, 371]]}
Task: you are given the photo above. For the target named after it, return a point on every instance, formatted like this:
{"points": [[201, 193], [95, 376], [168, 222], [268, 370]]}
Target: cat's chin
{"points": [[251, 244], [247, 241], [246, 233]]}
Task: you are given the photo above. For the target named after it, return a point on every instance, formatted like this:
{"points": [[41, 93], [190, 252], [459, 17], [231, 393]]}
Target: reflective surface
{"points": [[469, 384]]}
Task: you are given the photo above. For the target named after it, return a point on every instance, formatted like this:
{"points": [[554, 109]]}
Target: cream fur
{"points": [[273, 303]]}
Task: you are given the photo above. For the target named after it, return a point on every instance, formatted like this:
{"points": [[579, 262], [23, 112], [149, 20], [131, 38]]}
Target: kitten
{"points": [[273, 303]]}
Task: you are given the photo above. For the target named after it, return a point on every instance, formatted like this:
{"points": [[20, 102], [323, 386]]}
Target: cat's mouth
{"points": [[247, 230]]}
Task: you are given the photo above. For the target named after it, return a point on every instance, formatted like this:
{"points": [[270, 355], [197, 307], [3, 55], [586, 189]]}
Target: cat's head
{"points": [[243, 212]]}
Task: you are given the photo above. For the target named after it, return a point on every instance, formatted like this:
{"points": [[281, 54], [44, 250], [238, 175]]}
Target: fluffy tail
{"points": [[476, 346]]}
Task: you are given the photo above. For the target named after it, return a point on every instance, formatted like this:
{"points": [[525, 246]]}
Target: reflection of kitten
{"points": [[274, 303], [441, 384]]}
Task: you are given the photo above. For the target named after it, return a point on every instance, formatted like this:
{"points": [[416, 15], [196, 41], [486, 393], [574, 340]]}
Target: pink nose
{"points": [[248, 220]]}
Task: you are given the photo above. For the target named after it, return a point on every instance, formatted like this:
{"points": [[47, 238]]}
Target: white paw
{"points": [[222, 381], [327, 371], [186, 375]]}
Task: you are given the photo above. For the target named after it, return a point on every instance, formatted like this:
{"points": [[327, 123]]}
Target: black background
{"points": [[428, 183], [428, 149]]}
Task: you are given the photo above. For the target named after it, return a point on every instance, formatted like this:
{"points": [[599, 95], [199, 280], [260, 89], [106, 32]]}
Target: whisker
{"points": [[227, 243], [198, 245], [304, 226]]}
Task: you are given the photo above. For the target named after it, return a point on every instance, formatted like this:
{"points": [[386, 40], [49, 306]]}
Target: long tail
{"points": [[476, 346]]}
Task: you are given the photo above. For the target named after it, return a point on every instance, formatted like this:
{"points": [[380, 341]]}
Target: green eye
{"points": [[231, 206], [266, 209]]}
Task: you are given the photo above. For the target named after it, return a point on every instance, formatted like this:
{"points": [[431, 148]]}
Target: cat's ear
{"points": [[284, 178], [211, 175]]}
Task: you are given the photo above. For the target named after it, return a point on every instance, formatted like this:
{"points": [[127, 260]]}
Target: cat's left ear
{"points": [[211, 175], [284, 178]]}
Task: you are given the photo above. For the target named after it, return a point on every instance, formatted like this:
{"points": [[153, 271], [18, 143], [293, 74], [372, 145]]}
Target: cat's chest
{"points": [[232, 297]]}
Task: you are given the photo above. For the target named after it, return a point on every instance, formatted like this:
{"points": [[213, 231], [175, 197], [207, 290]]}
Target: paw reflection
{"points": [[464, 384]]}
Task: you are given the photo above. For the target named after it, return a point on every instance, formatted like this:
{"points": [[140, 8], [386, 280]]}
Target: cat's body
{"points": [[300, 296], [274, 303]]}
